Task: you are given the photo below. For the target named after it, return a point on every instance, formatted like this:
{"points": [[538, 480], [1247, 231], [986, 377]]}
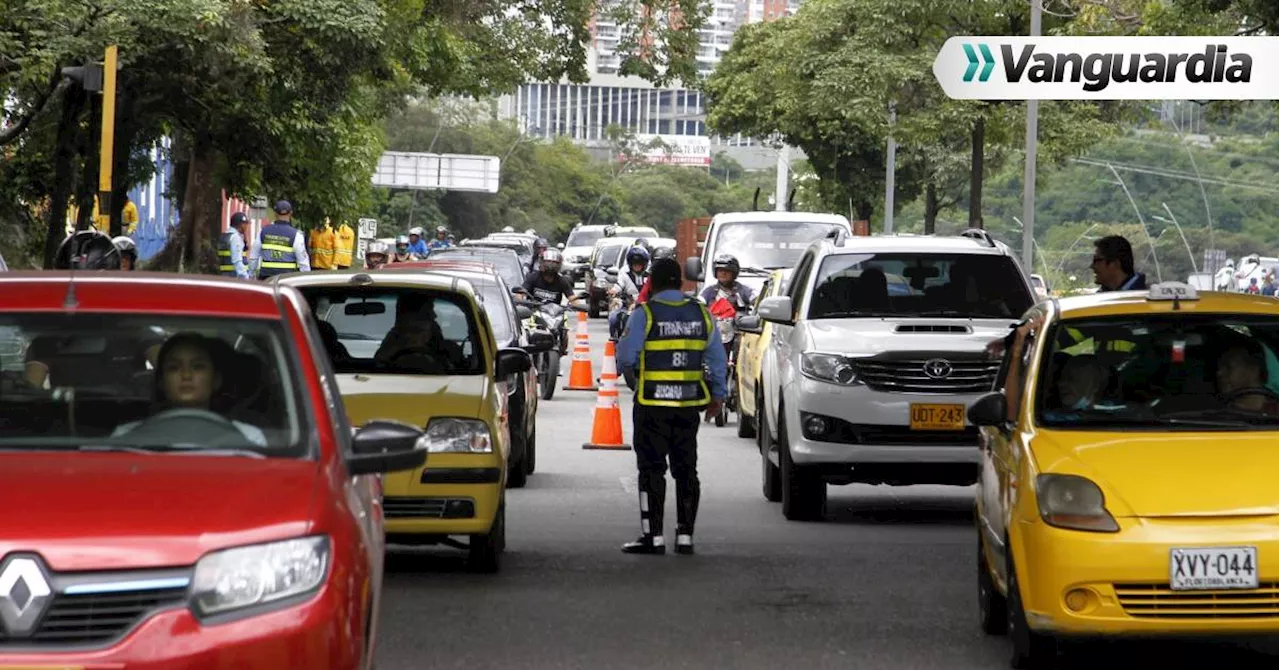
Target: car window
{"points": [[769, 245], [399, 330], [494, 300], [1164, 371], [157, 382], [584, 237], [918, 284], [507, 262], [607, 256]]}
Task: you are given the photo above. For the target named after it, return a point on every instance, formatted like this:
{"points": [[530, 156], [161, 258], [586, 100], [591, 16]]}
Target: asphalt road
{"points": [[886, 582]]}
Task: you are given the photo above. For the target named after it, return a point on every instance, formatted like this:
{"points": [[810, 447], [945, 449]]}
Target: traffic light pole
{"points": [[108, 138]]}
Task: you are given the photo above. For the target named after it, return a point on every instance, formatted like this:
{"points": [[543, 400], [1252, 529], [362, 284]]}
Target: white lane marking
{"points": [[629, 485]]}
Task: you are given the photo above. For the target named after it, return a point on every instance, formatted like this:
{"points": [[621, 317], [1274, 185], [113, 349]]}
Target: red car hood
{"points": [[100, 511]]}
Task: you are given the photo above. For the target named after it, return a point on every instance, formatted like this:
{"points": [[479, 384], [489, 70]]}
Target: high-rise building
{"points": [[583, 112]]}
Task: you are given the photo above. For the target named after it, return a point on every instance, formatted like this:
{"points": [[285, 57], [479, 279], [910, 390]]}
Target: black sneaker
{"points": [[684, 544], [646, 544]]}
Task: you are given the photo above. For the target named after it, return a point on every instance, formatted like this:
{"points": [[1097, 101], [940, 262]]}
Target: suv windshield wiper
{"points": [[754, 270], [942, 312], [857, 313]]}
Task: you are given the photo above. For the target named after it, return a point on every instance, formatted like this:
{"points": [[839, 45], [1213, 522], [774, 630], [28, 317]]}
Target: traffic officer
{"points": [[667, 343], [1113, 265], [280, 248], [232, 252]]}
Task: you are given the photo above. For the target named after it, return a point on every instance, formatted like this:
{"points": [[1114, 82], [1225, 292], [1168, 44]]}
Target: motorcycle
{"points": [[622, 304], [723, 309], [548, 317]]}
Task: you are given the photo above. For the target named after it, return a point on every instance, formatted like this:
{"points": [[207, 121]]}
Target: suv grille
{"points": [[928, 374], [95, 618], [1157, 601]]}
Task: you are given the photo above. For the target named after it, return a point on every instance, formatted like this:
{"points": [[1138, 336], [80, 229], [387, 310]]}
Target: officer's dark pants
{"points": [[659, 434]]}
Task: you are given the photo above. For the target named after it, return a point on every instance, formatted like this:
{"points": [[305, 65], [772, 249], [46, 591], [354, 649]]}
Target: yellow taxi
{"points": [[419, 348], [753, 342], [1131, 490]]}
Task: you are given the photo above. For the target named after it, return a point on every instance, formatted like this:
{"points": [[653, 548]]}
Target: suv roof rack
{"points": [[837, 236], [980, 235]]}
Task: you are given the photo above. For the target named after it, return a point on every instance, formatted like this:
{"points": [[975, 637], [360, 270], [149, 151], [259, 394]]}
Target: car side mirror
{"points": [[989, 410], [748, 323], [523, 312], [693, 268], [511, 361], [385, 446], [540, 342], [612, 272], [776, 309]]}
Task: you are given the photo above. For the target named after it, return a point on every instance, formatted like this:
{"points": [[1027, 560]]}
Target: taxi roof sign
{"points": [[1172, 290]]}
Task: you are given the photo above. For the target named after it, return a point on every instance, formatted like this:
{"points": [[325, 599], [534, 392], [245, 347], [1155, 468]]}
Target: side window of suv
{"points": [[798, 280]]}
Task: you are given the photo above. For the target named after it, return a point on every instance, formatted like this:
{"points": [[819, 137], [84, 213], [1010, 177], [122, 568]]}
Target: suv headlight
{"points": [[1071, 501], [466, 436], [243, 577], [830, 368]]}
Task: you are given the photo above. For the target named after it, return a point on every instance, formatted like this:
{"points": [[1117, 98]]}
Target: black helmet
{"points": [[726, 262], [127, 248], [87, 250], [540, 243], [664, 252]]}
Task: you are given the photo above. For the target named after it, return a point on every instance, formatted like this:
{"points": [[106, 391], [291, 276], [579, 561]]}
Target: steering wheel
{"points": [[1252, 390], [421, 357], [176, 425]]}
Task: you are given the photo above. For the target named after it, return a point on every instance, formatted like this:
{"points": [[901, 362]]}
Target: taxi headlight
{"points": [[244, 577], [1071, 501], [829, 368], [450, 435]]}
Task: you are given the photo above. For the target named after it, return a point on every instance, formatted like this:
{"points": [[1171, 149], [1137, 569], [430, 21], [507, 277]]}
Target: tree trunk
{"points": [[975, 173], [87, 187], [63, 172], [930, 208], [202, 208], [126, 129]]}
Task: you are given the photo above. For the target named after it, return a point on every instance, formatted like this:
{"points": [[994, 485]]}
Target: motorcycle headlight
{"points": [[830, 368], [241, 578], [1071, 501], [450, 435]]}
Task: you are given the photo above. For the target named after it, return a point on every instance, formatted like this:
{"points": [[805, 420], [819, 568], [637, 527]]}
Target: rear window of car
{"points": [[507, 262], [398, 330], [149, 382], [918, 285]]}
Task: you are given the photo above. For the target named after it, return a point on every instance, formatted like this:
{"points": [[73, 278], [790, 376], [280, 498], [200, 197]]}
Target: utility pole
{"points": [[108, 137], [1029, 175], [889, 167], [784, 164]]}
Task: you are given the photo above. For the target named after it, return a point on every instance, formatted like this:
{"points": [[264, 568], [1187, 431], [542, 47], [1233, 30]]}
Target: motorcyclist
{"points": [[726, 270], [376, 255], [417, 245], [87, 250], [403, 252], [539, 247], [128, 252], [549, 285], [660, 252], [442, 239], [628, 285]]}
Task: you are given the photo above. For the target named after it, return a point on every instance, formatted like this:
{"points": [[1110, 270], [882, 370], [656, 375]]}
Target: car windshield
{"points": [[636, 231], [584, 237], [507, 262], [918, 285], [394, 330], [151, 382], [523, 253], [493, 298], [607, 256], [1174, 371], [769, 245]]}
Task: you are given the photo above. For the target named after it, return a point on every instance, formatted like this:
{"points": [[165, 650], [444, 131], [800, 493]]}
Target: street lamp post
{"points": [[1029, 172], [1066, 254], [1173, 220], [1141, 222], [1044, 264]]}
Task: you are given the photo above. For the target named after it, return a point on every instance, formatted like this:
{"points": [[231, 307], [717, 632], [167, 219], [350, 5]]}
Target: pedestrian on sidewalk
{"points": [[667, 343]]}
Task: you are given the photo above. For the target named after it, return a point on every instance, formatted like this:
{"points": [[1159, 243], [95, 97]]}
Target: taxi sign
{"points": [[1172, 290]]}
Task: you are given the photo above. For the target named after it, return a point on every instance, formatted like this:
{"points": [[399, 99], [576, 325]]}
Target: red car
{"points": [[182, 487]]}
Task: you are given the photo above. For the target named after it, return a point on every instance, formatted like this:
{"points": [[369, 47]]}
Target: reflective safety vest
{"points": [[675, 341], [278, 256], [344, 246], [322, 248], [226, 265], [1087, 345]]}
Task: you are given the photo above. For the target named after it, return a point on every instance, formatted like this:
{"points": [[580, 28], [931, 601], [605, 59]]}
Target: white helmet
{"points": [[377, 248], [508, 229], [126, 245], [530, 231], [416, 231]]}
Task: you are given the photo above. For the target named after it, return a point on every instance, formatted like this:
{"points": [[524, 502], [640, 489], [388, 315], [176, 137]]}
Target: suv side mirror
{"points": [[989, 410], [693, 268], [749, 323], [385, 446], [776, 309], [511, 361]]}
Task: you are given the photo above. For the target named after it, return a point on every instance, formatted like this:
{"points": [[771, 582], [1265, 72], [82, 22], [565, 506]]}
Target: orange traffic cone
{"points": [[606, 432], [580, 376]]}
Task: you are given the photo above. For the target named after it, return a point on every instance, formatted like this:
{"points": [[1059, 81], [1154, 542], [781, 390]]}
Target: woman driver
{"points": [[187, 377]]}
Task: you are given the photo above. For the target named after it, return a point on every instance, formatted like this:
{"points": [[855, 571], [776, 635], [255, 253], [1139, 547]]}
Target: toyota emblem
{"points": [[937, 368]]}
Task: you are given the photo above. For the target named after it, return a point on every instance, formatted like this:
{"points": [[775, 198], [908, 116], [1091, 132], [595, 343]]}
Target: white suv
{"points": [[878, 348]]}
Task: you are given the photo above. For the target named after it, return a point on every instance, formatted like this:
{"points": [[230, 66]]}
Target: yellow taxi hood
{"points": [[1169, 473], [413, 399]]}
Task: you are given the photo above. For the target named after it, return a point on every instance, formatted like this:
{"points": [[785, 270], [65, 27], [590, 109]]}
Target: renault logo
{"points": [[24, 595], [937, 368]]}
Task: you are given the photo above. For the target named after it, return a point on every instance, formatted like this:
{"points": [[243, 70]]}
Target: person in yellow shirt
{"points": [[322, 246], [345, 245], [129, 216]]}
